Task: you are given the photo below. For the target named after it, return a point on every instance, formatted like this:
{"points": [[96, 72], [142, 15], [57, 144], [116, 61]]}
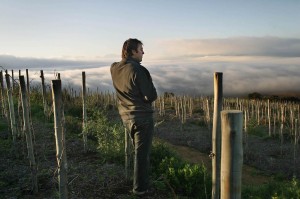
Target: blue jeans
{"points": [[141, 133]]}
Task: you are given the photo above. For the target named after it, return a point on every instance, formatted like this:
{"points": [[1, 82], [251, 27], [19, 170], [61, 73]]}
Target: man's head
{"points": [[133, 48]]}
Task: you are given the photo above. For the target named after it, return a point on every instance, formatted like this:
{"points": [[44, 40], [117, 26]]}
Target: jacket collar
{"points": [[130, 59]]}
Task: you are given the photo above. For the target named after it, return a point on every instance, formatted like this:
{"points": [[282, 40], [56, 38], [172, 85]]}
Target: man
{"points": [[135, 93]]}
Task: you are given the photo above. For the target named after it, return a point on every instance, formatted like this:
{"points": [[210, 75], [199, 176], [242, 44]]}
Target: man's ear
{"points": [[133, 52]]}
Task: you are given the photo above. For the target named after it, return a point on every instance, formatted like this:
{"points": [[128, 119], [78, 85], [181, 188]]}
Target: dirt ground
{"points": [[263, 157], [90, 176]]}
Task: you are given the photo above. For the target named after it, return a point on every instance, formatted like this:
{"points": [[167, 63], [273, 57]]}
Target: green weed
{"points": [[190, 180], [109, 134], [255, 129], [273, 190]]}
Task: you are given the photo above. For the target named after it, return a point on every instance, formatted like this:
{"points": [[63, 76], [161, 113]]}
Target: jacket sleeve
{"points": [[145, 85]]}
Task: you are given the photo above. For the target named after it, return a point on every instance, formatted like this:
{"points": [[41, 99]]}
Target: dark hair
{"points": [[129, 45]]}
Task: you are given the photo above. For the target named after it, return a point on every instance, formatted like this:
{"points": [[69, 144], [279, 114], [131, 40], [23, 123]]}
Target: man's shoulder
{"points": [[124, 66], [114, 64]]}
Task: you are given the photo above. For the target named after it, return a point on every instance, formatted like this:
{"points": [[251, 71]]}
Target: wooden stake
{"points": [[3, 98], [269, 117], [44, 94], [13, 123], [232, 154], [28, 134], [216, 135], [84, 114], [12, 80], [60, 139], [128, 155]]}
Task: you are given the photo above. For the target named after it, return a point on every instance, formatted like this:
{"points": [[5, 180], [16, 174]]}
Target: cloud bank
{"points": [[267, 65], [10, 62], [236, 46]]}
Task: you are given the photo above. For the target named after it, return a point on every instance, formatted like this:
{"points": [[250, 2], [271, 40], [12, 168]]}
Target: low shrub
{"points": [[109, 135], [254, 129], [190, 180], [273, 190]]}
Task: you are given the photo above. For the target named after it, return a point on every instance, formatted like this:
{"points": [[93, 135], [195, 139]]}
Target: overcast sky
{"points": [[256, 44]]}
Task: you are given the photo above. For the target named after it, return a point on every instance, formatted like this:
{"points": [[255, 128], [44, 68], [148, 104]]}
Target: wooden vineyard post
{"points": [[269, 118], [28, 134], [44, 93], [28, 92], [28, 87], [128, 156], [12, 80], [27, 82], [245, 130], [13, 124], [19, 115], [296, 139], [61, 155], [216, 135], [191, 107], [3, 98], [232, 154], [84, 114], [281, 129]]}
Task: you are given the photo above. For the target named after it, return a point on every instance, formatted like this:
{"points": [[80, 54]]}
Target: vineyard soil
{"points": [[89, 178], [89, 175], [263, 156]]}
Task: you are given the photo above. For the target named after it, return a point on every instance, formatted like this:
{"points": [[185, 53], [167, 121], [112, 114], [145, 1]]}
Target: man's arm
{"points": [[145, 85]]}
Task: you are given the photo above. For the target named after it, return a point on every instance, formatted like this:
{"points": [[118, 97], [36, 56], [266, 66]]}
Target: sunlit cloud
{"points": [[266, 65], [275, 75], [13, 62], [197, 78], [236, 46]]}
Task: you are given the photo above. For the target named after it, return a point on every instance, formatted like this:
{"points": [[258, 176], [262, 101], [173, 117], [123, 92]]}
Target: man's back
{"points": [[134, 87]]}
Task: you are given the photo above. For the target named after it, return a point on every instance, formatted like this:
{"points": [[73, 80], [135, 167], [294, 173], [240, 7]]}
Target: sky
{"points": [[255, 44]]}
